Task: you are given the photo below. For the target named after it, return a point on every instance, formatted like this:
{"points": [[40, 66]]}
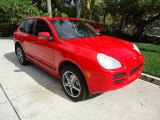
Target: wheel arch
{"points": [[69, 63], [17, 44]]}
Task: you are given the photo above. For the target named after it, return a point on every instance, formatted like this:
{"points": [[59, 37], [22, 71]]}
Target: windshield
{"points": [[73, 29]]}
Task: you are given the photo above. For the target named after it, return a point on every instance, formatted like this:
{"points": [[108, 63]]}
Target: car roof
{"points": [[54, 18]]}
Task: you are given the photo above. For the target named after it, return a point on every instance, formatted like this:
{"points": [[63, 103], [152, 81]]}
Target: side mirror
{"points": [[44, 35], [98, 30]]}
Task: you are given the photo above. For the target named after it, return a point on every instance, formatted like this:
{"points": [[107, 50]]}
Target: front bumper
{"points": [[106, 80]]}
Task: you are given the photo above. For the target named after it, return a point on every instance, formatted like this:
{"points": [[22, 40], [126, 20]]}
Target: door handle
{"points": [[33, 42]]}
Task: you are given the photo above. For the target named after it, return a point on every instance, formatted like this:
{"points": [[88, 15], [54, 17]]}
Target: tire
{"points": [[74, 84], [21, 55]]}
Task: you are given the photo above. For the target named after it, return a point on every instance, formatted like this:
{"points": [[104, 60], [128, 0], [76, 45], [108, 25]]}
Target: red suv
{"points": [[70, 49]]}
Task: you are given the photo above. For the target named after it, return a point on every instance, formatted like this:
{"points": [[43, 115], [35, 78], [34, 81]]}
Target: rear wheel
{"points": [[20, 55], [74, 84]]}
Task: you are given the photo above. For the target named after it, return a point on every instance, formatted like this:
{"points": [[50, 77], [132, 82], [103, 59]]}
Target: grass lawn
{"points": [[152, 58]]}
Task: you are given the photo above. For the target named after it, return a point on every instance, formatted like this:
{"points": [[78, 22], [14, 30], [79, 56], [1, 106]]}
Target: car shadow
{"points": [[40, 76], [34, 71]]}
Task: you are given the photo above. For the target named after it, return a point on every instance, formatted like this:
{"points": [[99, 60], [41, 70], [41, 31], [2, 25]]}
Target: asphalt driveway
{"points": [[29, 93]]}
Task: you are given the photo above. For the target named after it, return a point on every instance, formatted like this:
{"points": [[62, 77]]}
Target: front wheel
{"points": [[74, 84]]}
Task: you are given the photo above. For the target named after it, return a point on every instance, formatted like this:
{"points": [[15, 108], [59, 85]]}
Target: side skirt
{"points": [[44, 66]]}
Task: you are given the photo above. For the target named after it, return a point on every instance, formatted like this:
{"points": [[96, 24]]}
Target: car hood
{"points": [[110, 46]]}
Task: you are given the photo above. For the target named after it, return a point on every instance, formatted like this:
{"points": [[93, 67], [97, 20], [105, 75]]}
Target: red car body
{"points": [[82, 52]]}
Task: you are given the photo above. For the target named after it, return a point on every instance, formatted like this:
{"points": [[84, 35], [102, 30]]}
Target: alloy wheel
{"points": [[19, 55], [71, 84]]}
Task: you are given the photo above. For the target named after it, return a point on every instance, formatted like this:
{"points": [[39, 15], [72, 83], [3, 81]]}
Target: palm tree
{"points": [[78, 8], [90, 7], [49, 7]]}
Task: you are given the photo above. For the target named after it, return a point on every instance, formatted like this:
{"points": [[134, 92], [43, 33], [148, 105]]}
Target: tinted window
{"points": [[73, 29], [29, 26], [22, 26], [41, 26]]}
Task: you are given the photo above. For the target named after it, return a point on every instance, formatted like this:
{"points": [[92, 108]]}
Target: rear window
{"points": [[22, 26], [29, 26]]}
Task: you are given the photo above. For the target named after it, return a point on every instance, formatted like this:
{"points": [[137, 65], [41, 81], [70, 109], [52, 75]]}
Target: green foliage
{"points": [[132, 16], [123, 16], [109, 20], [12, 11], [64, 15], [40, 4], [86, 20]]}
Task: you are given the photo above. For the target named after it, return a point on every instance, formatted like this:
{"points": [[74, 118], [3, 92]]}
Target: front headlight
{"points": [[108, 62], [136, 48]]}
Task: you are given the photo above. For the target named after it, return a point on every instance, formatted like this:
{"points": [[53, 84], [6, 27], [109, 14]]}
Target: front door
{"points": [[43, 49]]}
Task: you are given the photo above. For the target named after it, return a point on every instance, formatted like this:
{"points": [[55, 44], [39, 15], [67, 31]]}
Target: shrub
{"points": [[13, 11]]}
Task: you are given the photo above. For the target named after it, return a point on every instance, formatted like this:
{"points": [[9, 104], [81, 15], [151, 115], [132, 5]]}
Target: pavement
{"points": [[29, 93]]}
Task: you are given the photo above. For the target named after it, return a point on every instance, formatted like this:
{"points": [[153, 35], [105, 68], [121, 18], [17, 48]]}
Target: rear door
{"points": [[28, 36]]}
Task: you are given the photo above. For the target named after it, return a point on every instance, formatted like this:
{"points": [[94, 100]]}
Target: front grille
{"points": [[118, 81], [118, 75], [118, 78], [135, 69]]}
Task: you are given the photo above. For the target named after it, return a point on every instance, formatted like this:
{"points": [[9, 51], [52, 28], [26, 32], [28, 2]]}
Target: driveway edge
{"points": [[150, 78], [10, 102]]}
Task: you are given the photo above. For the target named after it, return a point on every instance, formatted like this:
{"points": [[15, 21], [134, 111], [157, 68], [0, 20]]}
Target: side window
{"points": [[22, 26], [29, 26], [42, 26]]}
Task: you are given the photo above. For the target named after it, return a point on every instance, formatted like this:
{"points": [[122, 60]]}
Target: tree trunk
{"points": [[90, 7], [90, 15], [139, 32], [49, 8], [121, 24], [104, 16], [78, 8]]}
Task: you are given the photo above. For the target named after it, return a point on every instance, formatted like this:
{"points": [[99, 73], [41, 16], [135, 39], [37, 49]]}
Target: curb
{"points": [[7, 38], [150, 78]]}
